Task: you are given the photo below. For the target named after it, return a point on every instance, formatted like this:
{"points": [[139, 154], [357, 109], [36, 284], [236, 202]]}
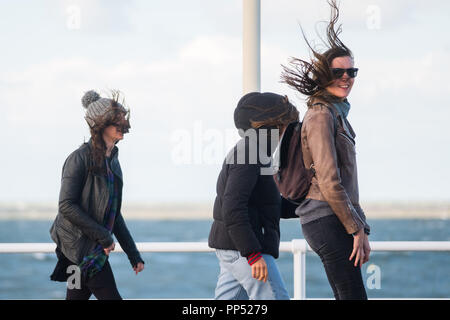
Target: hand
{"points": [[366, 248], [109, 249], [358, 248], [259, 270], [138, 268]]}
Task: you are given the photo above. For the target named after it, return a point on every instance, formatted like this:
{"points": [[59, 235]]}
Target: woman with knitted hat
{"points": [[90, 205], [333, 222], [248, 205]]}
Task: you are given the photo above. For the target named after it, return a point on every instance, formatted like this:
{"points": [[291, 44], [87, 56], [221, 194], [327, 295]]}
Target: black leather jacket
{"points": [[83, 199]]}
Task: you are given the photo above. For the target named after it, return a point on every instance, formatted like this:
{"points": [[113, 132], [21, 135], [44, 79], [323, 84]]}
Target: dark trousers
{"points": [[102, 285], [329, 239]]}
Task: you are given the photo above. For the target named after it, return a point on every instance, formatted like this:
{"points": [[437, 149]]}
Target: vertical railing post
{"points": [[251, 44], [299, 248]]}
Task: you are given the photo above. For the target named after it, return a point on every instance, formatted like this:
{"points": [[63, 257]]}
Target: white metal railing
{"points": [[298, 247]]}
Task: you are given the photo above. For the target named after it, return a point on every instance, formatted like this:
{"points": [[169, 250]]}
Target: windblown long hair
{"points": [[312, 78], [285, 114], [114, 117]]}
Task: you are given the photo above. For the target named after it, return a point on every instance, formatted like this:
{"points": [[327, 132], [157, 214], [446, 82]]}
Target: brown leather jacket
{"points": [[331, 152]]}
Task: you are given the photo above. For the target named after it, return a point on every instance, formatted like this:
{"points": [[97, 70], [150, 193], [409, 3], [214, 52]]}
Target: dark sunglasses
{"points": [[339, 72]]}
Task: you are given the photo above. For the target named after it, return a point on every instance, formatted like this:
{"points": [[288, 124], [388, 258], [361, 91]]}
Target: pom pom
{"points": [[89, 97]]}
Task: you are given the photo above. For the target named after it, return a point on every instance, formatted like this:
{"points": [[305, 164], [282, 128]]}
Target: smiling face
{"points": [[342, 86]]}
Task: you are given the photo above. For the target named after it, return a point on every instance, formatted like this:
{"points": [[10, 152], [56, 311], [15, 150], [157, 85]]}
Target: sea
{"points": [[194, 275]]}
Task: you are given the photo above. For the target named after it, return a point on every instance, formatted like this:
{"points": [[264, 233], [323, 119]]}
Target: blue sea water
{"points": [[194, 275]]}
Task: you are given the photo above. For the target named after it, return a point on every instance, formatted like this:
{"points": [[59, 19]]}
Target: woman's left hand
{"points": [[358, 248], [367, 249], [138, 268], [109, 249]]}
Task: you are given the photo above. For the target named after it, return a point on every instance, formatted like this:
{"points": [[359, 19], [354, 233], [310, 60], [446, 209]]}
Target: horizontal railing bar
{"points": [[296, 245], [410, 245]]}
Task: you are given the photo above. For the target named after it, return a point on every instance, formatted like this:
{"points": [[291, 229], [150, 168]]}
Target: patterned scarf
{"points": [[95, 261]]}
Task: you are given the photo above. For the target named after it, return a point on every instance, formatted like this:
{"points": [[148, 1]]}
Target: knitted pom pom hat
{"points": [[98, 108]]}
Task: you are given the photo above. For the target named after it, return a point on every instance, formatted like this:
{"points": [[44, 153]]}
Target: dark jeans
{"points": [[102, 285], [329, 239]]}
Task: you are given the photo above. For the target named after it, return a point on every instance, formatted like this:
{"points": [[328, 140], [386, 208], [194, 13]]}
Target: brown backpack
{"points": [[293, 178]]}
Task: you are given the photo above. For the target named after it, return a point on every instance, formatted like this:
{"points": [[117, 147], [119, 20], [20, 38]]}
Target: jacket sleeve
{"points": [[361, 214], [240, 183], [321, 143], [126, 241], [72, 183]]}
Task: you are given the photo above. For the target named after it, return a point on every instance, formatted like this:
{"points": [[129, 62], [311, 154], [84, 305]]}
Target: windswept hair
{"points": [[279, 115], [115, 116], [311, 78]]}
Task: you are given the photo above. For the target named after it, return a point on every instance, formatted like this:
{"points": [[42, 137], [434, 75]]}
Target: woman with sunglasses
{"points": [[90, 205], [333, 223]]}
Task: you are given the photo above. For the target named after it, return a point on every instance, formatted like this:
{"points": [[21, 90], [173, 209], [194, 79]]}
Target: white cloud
{"points": [[42, 110], [425, 74], [99, 16], [42, 117], [55, 87], [217, 50]]}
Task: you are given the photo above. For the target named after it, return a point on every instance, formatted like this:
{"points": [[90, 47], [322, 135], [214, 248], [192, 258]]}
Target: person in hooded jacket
{"points": [[248, 206]]}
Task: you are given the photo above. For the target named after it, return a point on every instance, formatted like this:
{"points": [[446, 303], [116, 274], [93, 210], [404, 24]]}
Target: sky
{"points": [[179, 66]]}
